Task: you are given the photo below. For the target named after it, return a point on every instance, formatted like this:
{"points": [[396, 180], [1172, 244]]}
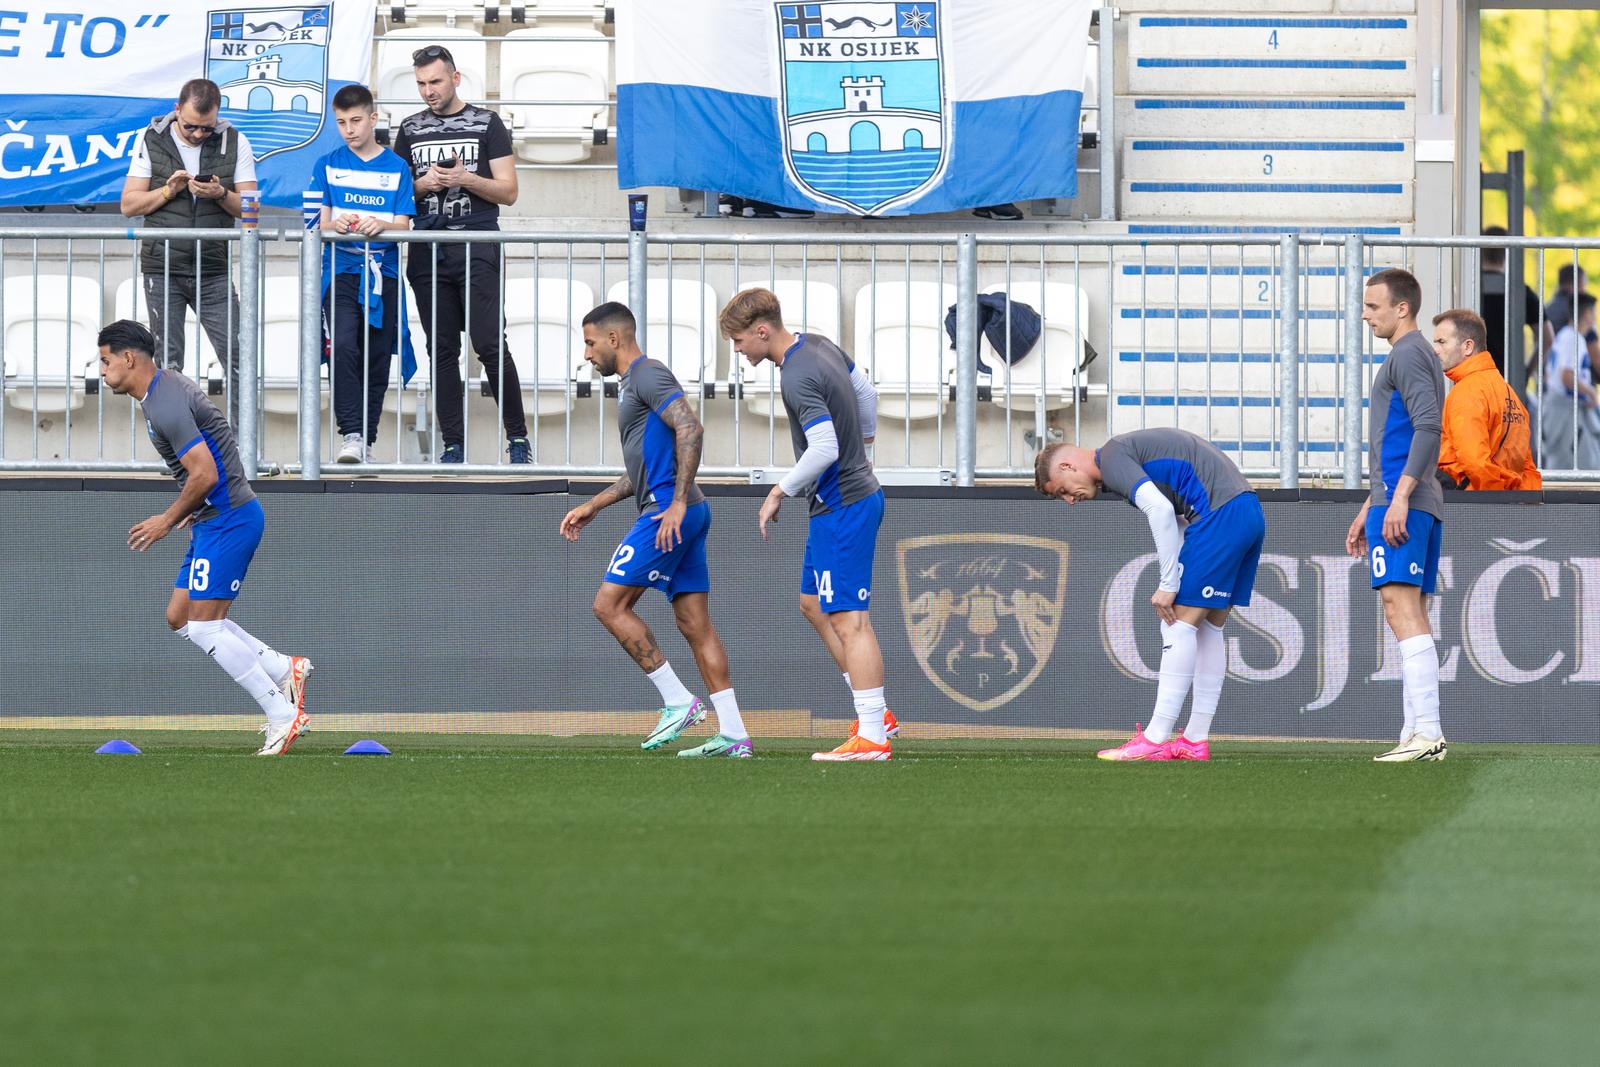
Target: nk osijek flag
{"points": [[82, 83], [871, 108]]}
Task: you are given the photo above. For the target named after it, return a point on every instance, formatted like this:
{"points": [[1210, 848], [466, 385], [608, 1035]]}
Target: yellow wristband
{"points": [[166, 192]]}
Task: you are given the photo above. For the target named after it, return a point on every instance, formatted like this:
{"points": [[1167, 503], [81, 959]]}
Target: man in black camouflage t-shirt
{"points": [[463, 171]]}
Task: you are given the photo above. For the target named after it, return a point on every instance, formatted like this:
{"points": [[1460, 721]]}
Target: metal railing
{"points": [[1256, 342]]}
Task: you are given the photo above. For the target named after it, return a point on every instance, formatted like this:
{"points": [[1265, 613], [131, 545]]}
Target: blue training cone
{"points": [[366, 748], [117, 748]]}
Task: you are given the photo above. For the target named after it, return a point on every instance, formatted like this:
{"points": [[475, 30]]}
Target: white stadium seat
{"points": [[396, 78], [682, 326], [900, 339], [49, 333], [807, 307], [129, 303], [451, 13], [534, 68], [1064, 309], [544, 330], [280, 346]]}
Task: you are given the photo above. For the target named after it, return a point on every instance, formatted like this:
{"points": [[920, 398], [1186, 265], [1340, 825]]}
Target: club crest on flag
{"points": [[866, 124], [982, 611], [271, 64]]}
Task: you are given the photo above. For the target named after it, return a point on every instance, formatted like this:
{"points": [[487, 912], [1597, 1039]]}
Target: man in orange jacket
{"points": [[1485, 442]]}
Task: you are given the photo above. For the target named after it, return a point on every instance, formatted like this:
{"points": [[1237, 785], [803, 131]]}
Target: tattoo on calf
{"points": [[645, 652]]}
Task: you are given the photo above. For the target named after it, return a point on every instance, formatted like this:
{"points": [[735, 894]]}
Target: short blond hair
{"points": [[1041, 468], [748, 308]]}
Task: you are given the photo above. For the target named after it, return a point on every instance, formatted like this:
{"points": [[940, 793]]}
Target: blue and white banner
{"points": [[85, 81], [872, 107]]}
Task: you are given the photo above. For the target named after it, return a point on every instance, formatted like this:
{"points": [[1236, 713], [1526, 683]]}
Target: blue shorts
{"points": [[220, 550], [839, 550], [1217, 564], [638, 562], [1414, 563]]}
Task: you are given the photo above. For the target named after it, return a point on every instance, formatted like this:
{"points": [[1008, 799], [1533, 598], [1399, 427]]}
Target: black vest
{"points": [[219, 155]]}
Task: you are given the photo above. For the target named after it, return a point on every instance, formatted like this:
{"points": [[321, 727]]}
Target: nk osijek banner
{"points": [[858, 106], [82, 83]]}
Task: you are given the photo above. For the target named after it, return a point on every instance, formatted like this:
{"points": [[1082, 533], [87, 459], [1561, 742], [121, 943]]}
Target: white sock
{"points": [[1210, 671], [1179, 647], [729, 722], [673, 694], [847, 684], [239, 660], [1419, 668], [276, 664], [1409, 726], [869, 714]]}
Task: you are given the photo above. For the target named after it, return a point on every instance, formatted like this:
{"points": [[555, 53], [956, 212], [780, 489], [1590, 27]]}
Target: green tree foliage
{"points": [[1541, 93]]}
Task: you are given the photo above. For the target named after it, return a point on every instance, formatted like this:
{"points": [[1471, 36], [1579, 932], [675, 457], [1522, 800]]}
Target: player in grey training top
{"points": [[666, 549], [1401, 526], [1194, 476], [818, 387], [833, 414], [1209, 530], [216, 499], [180, 416]]}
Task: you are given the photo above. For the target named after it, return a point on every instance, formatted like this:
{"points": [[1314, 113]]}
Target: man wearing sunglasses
{"points": [[463, 172], [188, 170]]}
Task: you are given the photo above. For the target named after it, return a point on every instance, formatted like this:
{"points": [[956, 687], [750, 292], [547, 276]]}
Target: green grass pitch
{"points": [[485, 899]]}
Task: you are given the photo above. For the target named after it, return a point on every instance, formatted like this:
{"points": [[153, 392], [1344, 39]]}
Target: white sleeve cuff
{"points": [[1164, 528], [822, 449], [866, 402]]}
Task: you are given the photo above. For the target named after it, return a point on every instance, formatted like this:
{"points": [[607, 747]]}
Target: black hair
{"points": [[353, 98], [611, 313], [126, 335]]}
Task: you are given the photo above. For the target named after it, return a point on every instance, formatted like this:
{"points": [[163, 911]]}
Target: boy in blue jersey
{"points": [[666, 549], [216, 500], [832, 407], [1400, 527], [366, 190], [1209, 529]]}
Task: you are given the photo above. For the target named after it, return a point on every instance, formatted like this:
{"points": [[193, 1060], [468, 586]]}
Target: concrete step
{"points": [[1227, 285], [1254, 423], [1271, 75], [1269, 199], [1274, 35], [1226, 373], [1253, 329], [1148, 158], [1322, 117]]}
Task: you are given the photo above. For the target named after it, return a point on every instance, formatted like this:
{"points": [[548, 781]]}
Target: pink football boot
{"points": [[1137, 747]]}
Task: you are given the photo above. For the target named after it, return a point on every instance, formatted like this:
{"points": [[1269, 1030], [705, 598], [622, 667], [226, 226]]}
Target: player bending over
{"points": [[226, 519], [832, 410], [666, 549], [1209, 529]]}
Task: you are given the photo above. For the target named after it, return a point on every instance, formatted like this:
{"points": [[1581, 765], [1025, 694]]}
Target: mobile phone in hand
{"points": [[205, 179]]}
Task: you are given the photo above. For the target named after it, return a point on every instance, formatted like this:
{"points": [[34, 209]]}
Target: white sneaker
{"points": [[280, 735], [354, 450], [1414, 749]]}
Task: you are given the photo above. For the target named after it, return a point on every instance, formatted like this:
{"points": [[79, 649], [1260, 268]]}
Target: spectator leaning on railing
{"points": [[1572, 281], [188, 170], [1569, 425], [1485, 443]]}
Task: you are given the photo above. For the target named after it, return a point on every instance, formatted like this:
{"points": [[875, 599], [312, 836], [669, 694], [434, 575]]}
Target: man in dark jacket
{"points": [[188, 169]]}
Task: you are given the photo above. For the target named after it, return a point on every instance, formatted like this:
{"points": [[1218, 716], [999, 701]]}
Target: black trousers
{"points": [[360, 348], [447, 309]]}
